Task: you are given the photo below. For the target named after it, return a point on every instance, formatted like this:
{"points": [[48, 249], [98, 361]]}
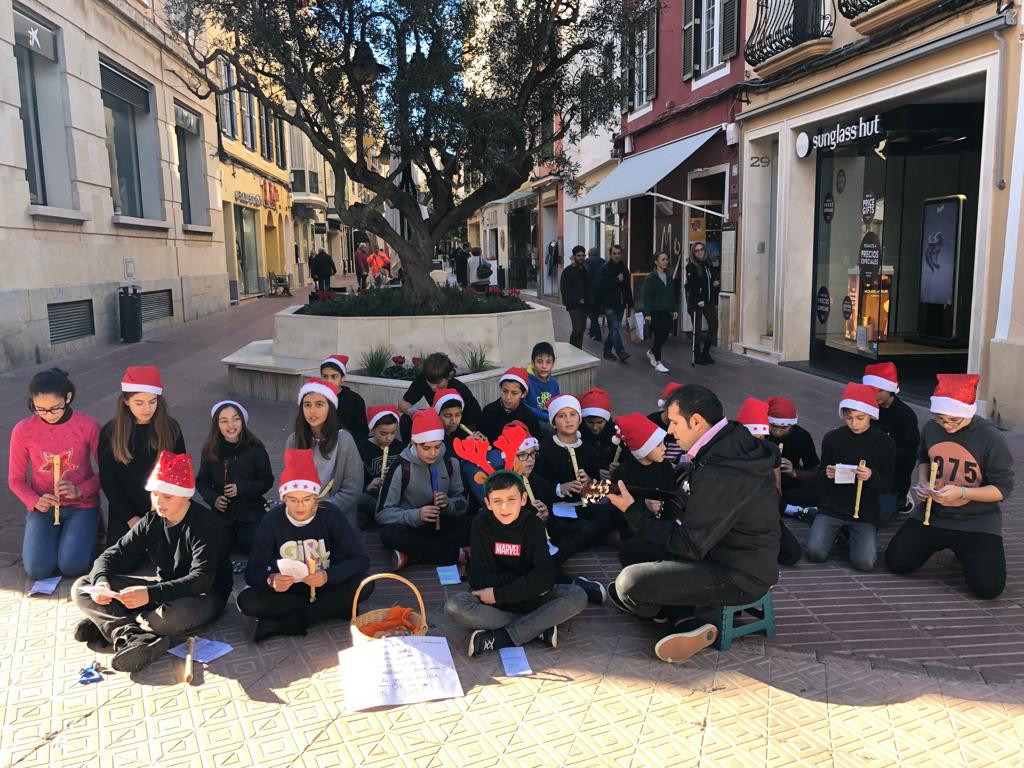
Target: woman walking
{"points": [[659, 308]]}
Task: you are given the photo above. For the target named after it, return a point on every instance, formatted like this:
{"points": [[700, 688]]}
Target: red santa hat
{"points": [[427, 427], [781, 411], [299, 472], [172, 474], [234, 404], [518, 375], [338, 361], [444, 396], [596, 402], [319, 387], [377, 412], [666, 393], [555, 404], [860, 397], [956, 394], [753, 415], [142, 378], [640, 434], [882, 376]]}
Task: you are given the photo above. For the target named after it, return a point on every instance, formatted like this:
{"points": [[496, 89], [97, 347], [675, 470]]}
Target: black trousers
{"points": [[710, 313], [790, 550], [595, 323], [578, 317], [661, 324], [361, 281], [242, 535], [333, 601], [982, 554], [426, 543], [571, 537]]}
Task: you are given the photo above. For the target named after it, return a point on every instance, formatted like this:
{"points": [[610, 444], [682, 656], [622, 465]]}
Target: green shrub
{"points": [[390, 302], [376, 361], [475, 356]]}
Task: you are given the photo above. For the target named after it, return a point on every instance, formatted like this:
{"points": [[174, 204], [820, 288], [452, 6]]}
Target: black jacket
{"points": [[191, 558], [494, 417], [575, 287], [594, 264], [614, 293], [732, 515], [512, 559], [322, 265], [602, 445], [899, 422], [700, 284], [247, 467], [352, 413]]}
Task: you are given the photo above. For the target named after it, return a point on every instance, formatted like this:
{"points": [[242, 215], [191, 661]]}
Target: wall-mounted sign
{"points": [[803, 144], [847, 307], [870, 261], [823, 304], [868, 206], [828, 207], [246, 198], [271, 194], [844, 134], [841, 181]]}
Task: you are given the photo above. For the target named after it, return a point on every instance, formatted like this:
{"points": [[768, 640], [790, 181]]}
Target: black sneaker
{"points": [[609, 356], [267, 628], [550, 637], [614, 599], [806, 514], [596, 593], [482, 640], [87, 632], [135, 650], [624, 357], [681, 645]]}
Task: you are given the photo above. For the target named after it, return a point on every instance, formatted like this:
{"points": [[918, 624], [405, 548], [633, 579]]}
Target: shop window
{"points": [[40, 86], [710, 35], [191, 166], [226, 76], [248, 109], [132, 149]]}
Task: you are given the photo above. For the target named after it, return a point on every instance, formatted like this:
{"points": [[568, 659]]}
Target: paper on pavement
{"points": [[44, 586], [515, 662], [204, 651]]}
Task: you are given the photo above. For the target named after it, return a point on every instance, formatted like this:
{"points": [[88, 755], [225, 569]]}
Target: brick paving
{"points": [[866, 669]]}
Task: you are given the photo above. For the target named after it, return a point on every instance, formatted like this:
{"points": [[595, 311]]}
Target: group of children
{"points": [[423, 470]]}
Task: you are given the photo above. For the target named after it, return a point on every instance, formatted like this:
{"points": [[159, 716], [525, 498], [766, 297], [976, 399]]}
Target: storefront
{"points": [[510, 236], [256, 227]]}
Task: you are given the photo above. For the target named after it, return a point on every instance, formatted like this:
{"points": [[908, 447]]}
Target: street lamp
{"points": [[365, 68]]}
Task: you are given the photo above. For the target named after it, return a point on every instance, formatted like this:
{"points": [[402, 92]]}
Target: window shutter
{"points": [[728, 25], [651, 56], [627, 70], [688, 38]]}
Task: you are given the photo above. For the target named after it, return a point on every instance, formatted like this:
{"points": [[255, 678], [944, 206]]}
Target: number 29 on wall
{"points": [[760, 161]]}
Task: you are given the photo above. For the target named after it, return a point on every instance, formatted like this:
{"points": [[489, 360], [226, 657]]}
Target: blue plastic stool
{"points": [[725, 616]]}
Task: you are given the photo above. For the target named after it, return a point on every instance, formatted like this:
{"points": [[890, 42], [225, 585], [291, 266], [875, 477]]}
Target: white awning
{"points": [[637, 174]]}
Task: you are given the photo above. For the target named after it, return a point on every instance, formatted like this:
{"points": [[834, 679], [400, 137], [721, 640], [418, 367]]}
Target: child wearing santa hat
{"points": [[599, 430], [423, 502], [799, 462], [234, 473], [334, 449], [842, 450], [382, 421], [673, 451], [898, 421], [510, 406], [306, 562], [754, 415], [351, 406], [974, 474], [129, 444], [186, 544]]}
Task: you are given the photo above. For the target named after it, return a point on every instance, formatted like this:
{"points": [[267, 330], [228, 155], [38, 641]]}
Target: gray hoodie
{"points": [[344, 466], [404, 508]]}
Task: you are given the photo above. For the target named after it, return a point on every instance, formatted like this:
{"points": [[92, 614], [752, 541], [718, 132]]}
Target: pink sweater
{"points": [[34, 443]]}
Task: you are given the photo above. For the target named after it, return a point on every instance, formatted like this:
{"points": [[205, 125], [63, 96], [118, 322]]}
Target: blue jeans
{"points": [[823, 533], [613, 317], [67, 548], [887, 503]]}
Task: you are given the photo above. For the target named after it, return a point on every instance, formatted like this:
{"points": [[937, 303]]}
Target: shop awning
{"points": [[637, 174]]}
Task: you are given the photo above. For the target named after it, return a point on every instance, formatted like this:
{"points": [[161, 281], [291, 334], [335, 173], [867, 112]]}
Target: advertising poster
{"points": [[940, 246]]}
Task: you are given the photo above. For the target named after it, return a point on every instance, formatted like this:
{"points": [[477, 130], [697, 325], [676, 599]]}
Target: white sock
{"points": [[791, 509]]}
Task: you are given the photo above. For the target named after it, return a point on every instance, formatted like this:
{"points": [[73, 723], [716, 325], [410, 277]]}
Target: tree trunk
{"points": [[417, 285]]}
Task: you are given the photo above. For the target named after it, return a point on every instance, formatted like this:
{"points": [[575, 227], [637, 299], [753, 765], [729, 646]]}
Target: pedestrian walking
{"points": [[576, 294], [659, 308], [702, 287]]}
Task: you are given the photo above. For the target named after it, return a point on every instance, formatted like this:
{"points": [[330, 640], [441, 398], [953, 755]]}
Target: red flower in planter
{"points": [[398, 360], [493, 290]]}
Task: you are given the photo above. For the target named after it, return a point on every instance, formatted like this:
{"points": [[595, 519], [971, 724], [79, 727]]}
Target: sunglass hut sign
{"points": [[839, 134]]}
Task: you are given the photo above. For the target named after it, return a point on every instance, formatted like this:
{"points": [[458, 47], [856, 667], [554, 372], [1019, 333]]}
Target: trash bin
{"points": [[129, 302]]}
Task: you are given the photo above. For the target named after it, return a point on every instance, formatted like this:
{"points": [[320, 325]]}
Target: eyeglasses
{"points": [[51, 411], [950, 422], [527, 455]]}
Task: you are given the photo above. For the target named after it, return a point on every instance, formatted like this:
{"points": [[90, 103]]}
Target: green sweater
{"points": [[659, 296]]}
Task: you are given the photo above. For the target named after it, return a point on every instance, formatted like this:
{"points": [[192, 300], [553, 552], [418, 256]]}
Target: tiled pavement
{"points": [[867, 669]]}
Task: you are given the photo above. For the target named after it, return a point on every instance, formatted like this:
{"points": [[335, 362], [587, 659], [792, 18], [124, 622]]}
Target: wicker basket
{"points": [[419, 619]]}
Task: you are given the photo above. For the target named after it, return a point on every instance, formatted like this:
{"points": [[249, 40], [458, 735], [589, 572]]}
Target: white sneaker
{"points": [[660, 368], [650, 357]]}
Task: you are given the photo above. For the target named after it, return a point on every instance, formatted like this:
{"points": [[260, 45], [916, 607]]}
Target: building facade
{"points": [[108, 177], [878, 187]]}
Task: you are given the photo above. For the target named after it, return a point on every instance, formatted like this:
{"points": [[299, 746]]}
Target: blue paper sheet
{"points": [[515, 662], [44, 586], [449, 574]]}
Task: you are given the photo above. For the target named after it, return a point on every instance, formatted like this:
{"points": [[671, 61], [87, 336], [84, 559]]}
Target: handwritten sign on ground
{"points": [[398, 670]]}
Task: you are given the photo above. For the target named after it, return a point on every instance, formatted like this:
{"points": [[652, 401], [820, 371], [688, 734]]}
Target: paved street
{"points": [[866, 669]]}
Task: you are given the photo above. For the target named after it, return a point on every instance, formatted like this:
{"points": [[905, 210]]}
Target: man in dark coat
{"points": [[614, 296], [462, 265], [577, 295], [322, 267], [594, 263], [723, 550]]}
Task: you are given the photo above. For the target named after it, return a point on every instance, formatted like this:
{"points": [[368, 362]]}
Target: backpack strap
{"points": [[402, 464]]}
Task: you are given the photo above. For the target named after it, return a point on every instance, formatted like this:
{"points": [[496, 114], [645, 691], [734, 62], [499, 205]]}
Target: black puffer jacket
{"points": [[246, 466], [701, 277], [732, 515]]}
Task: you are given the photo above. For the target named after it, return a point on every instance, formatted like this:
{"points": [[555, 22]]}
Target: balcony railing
{"points": [[782, 25], [869, 16], [851, 9]]}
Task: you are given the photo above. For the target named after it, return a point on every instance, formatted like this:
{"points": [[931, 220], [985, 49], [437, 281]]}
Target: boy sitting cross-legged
{"points": [[513, 596], [381, 445]]}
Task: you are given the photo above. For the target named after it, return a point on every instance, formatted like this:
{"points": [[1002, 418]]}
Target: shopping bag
{"points": [[636, 328]]}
